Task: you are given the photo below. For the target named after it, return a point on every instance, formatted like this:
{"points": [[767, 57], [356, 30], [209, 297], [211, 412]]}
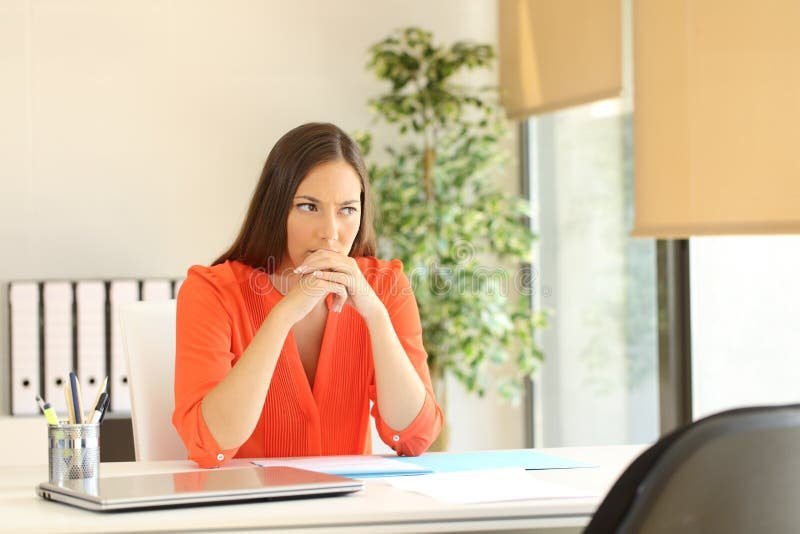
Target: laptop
{"points": [[196, 487]]}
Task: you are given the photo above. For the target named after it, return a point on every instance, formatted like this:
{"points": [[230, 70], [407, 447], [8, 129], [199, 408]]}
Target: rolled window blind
{"points": [[558, 53], [717, 118]]}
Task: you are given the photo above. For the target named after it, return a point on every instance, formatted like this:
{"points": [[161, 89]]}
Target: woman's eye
{"points": [[312, 207]]}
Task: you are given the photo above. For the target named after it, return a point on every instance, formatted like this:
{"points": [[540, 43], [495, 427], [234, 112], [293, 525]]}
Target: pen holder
{"points": [[74, 451]]}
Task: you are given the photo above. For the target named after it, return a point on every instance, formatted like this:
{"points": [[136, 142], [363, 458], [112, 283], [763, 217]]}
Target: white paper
{"points": [[346, 465], [495, 485]]}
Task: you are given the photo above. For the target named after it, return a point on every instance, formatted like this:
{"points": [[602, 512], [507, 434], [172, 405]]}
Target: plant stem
{"points": [[429, 158]]}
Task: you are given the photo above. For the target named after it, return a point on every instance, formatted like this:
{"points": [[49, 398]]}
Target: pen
{"points": [[98, 409], [48, 411], [103, 410], [96, 403], [70, 407], [76, 397]]}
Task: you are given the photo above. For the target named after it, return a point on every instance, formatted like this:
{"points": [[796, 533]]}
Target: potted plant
{"points": [[442, 214]]}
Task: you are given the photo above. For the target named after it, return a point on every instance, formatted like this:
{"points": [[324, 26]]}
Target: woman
{"points": [[283, 342]]}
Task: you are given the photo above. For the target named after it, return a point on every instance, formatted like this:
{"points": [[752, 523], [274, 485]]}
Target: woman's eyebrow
{"points": [[319, 201]]}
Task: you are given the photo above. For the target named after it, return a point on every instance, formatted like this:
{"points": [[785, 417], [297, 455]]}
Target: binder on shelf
{"points": [[58, 339], [156, 290], [24, 323], [90, 308], [176, 287], [120, 292]]}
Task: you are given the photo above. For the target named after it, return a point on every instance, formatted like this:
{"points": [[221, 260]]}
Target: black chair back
{"points": [[733, 472]]}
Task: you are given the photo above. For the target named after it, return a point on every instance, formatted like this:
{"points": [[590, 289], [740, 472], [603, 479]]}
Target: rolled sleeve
{"points": [[398, 297], [203, 358], [208, 453], [417, 436]]}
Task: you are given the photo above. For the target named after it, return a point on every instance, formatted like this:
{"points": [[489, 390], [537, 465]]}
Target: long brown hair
{"points": [[261, 242]]}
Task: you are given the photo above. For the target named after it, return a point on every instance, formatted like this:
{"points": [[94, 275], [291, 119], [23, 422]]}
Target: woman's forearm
{"points": [[401, 392], [232, 408]]}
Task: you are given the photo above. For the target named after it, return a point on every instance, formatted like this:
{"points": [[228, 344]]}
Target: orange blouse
{"points": [[220, 309]]}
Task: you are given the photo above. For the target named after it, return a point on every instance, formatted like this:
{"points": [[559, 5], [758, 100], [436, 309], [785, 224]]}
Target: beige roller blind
{"points": [[717, 117], [558, 53]]}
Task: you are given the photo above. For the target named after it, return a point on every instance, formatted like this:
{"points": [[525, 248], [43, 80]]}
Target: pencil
{"points": [[70, 409], [95, 405]]}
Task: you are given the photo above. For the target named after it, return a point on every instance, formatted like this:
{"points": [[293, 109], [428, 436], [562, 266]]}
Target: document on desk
{"points": [[355, 466], [496, 485], [441, 462]]}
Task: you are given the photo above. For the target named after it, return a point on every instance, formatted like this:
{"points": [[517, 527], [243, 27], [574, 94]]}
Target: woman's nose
{"points": [[329, 229]]}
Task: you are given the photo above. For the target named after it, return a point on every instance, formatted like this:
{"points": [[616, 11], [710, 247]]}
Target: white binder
{"points": [[57, 342], [156, 290], [90, 296], [120, 292], [23, 299]]}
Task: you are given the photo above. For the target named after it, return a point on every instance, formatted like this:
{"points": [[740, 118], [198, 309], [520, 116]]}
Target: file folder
{"points": [[90, 306], [58, 338], [156, 290], [120, 292], [23, 300]]}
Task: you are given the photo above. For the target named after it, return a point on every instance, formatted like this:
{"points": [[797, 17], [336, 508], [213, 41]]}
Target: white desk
{"points": [[379, 508]]}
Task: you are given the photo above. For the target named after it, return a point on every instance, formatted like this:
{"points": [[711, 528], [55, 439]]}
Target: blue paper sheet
{"points": [[470, 461]]}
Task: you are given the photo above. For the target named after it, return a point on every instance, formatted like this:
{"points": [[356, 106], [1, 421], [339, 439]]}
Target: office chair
{"points": [[733, 472], [148, 338]]}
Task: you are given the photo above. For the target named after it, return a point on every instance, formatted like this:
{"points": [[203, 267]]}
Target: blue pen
{"points": [[75, 388]]}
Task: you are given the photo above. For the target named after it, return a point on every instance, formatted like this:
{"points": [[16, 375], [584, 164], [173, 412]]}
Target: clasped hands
{"points": [[342, 270]]}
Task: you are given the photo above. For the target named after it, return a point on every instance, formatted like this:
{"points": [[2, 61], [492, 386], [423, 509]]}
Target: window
{"points": [[598, 384], [745, 300]]}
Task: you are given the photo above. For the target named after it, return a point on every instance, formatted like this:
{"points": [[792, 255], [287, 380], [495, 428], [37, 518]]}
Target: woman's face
{"points": [[325, 212]]}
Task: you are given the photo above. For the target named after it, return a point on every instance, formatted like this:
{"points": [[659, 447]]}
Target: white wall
{"points": [[133, 131]]}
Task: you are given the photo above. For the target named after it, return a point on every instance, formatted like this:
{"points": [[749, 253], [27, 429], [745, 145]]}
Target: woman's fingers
{"points": [[319, 287], [338, 302], [338, 278], [326, 260]]}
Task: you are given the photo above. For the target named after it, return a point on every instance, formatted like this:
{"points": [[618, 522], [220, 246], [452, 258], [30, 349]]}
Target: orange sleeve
{"points": [[203, 358], [398, 297]]}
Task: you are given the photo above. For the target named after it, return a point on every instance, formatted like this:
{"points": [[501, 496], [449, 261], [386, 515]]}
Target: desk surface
{"points": [[380, 507]]}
